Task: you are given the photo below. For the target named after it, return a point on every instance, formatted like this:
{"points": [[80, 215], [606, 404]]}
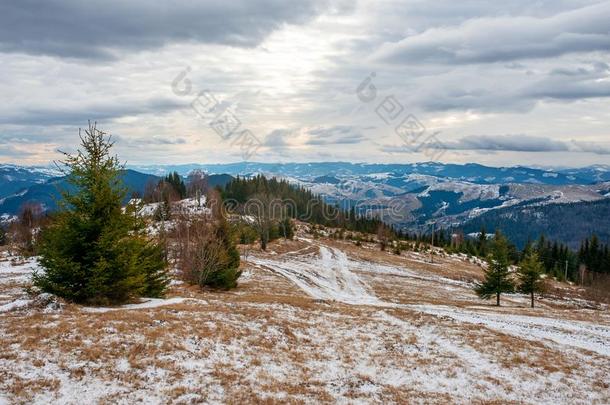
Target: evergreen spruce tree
{"points": [[530, 270], [497, 279], [2, 236], [94, 252], [177, 184]]}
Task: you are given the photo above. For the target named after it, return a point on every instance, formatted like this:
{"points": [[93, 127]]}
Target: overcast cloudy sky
{"points": [[499, 83]]}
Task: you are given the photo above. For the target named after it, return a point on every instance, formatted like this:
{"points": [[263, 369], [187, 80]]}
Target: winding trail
{"points": [[325, 277], [329, 276]]}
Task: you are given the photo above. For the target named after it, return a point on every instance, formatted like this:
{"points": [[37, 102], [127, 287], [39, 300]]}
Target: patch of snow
{"points": [[326, 277], [147, 303], [7, 218], [15, 305], [583, 335]]}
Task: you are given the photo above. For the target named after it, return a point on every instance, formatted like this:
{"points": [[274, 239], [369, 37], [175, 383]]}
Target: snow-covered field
{"points": [[311, 322], [332, 276]]}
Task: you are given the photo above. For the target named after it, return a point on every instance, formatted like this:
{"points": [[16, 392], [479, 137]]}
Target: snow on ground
{"points": [[326, 277], [16, 304], [582, 335], [192, 206], [147, 303], [16, 271], [375, 332], [186, 206], [332, 276], [7, 218]]}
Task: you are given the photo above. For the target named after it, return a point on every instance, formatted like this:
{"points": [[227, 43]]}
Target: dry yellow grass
{"points": [[267, 342]]}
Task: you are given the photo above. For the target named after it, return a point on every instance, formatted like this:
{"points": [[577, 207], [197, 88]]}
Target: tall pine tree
{"points": [[94, 251]]}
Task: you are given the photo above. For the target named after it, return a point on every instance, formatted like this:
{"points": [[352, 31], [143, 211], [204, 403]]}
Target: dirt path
{"points": [[332, 275]]}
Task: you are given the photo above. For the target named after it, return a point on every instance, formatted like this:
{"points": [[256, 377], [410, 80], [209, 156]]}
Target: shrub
{"points": [[205, 251], [246, 234]]}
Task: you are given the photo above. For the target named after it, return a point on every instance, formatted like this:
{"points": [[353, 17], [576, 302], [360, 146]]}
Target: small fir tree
{"points": [[94, 251], [530, 272], [497, 278], [227, 272], [482, 242]]}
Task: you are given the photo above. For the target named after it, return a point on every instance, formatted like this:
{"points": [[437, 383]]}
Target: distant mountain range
{"points": [[410, 196], [471, 172], [15, 179], [44, 188], [565, 204]]}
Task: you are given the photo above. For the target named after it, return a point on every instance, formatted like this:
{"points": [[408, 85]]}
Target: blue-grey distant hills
{"points": [[44, 189], [569, 223], [471, 172], [410, 196], [15, 179], [567, 204], [21, 185]]}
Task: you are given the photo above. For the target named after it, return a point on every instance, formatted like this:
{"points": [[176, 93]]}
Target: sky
{"points": [[498, 83]]}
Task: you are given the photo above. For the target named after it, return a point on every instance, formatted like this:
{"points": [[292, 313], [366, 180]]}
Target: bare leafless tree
{"points": [[24, 230], [383, 236], [197, 184], [262, 213], [203, 247]]}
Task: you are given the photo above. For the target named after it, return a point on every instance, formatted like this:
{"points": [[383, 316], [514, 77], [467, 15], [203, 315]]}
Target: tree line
{"points": [[269, 205], [557, 258]]}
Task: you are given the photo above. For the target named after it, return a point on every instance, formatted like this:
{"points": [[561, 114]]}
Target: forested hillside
{"points": [[568, 223], [299, 202]]}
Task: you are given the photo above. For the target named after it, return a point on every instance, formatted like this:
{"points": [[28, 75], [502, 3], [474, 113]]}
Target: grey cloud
{"points": [[592, 147], [595, 70], [17, 149], [153, 140], [336, 135], [97, 29], [569, 91], [573, 83], [496, 39], [500, 90], [44, 100], [9, 151], [6, 138], [479, 100], [525, 143], [517, 143], [276, 138], [95, 112]]}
